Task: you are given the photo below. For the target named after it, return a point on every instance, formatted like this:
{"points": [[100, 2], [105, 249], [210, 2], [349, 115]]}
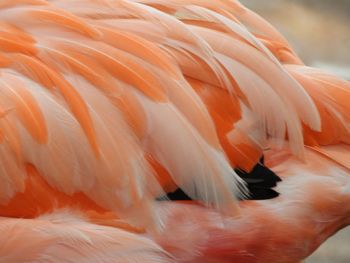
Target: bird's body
{"points": [[107, 106], [314, 204]]}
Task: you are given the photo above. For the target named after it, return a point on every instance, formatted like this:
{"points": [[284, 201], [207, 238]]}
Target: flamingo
{"points": [[164, 131]]}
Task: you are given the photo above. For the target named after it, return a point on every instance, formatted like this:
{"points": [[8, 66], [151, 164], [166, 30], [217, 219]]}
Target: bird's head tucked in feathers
{"points": [[115, 103]]}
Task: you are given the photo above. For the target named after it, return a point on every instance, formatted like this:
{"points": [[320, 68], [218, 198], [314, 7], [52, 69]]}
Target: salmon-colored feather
{"points": [[11, 43], [38, 71], [64, 237], [106, 107], [16, 96]]}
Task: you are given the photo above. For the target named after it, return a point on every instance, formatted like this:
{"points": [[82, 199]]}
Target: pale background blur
{"points": [[319, 30]]}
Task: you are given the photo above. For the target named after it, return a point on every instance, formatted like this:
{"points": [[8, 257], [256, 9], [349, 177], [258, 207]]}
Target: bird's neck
{"points": [[325, 228]]}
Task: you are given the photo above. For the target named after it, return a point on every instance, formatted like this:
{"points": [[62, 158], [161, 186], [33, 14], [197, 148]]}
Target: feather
{"points": [[331, 97], [65, 237]]}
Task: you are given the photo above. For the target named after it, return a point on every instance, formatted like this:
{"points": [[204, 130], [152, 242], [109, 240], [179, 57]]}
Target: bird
{"points": [[164, 131]]}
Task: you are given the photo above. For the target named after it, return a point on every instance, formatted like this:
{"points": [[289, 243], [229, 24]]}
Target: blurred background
{"points": [[319, 30]]}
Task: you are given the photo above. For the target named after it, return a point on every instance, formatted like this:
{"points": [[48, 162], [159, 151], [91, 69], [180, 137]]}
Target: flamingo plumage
{"points": [[107, 107]]}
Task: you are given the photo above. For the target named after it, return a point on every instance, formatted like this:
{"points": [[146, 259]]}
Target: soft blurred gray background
{"points": [[319, 31]]}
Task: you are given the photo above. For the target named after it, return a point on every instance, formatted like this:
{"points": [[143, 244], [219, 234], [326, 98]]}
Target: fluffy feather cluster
{"points": [[107, 105]]}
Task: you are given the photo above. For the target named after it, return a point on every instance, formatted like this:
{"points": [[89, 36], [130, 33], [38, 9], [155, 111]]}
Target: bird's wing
{"points": [[118, 101], [91, 107], [331, 96]]}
